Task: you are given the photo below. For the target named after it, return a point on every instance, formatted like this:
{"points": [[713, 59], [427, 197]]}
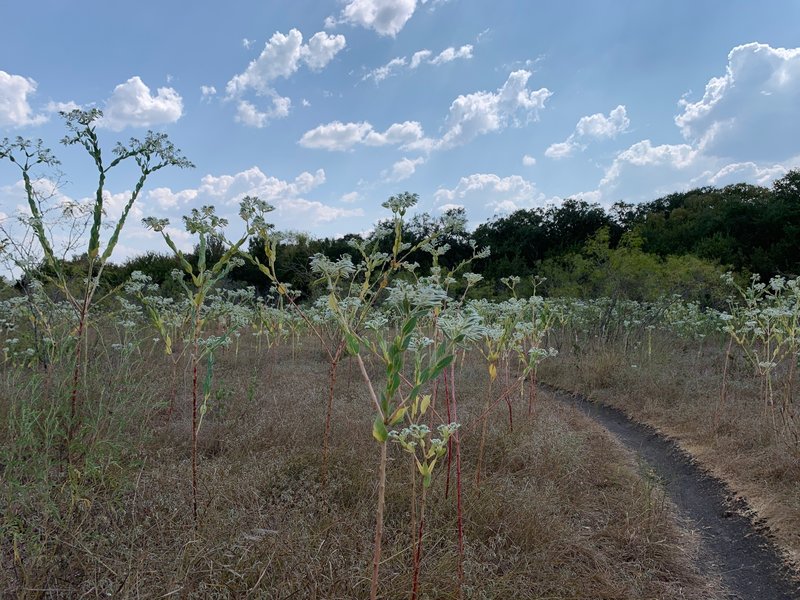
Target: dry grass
{"points": [[562, 511], [677, 390]]}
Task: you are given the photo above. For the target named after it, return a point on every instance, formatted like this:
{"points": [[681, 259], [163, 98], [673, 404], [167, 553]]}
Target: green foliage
{"points": [[626, 271]]}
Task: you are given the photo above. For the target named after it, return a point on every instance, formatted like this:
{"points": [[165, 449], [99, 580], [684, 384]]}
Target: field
{"points": [[529, 498], [561, 512], [382, 429]]}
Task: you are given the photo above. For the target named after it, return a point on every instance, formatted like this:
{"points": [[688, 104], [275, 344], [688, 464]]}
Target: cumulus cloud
{"points": [[282, 56], [750, 112], [293, 207], [479, 113], [386, 17], [166, 199], [132, 105], [344, 136], [254, 182], [746, 171], [387, 70], [469, 116], [207, 92], [502, 194], [644, 154], [422, 56], [58, 107], [418, 57], [350, 197], [248, 114], [404, 168], [591, 127], [336, 135], [528, 160], [450, 54], [15, 110]]}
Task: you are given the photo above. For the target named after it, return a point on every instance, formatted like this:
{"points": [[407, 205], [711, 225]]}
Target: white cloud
{"points": [[750, 112], [596, 126], [321, 49], [247, 43], [166, 199], [207, 91], [503, 194], [746, 171], [303, 212], [528, 160], [386, 70], [58, 107], [248, 114], [485, 112], [113, 204], [289, 197], [344, 136], [282, 56], [404, 168], [644, 154], [405, 134], [396, 64], [132, 105], [449, 206], [470, 116], [336, 135], [15, 111], [350, 197], [419, 57], [559, 150], [386, 17], [450, 54], [254, 182]]}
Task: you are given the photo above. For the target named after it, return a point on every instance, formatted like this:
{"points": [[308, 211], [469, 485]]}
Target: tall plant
{"points": [[151, 154], [203, 278]]}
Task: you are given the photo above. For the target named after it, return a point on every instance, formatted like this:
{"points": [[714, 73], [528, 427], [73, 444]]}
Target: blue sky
{"points": [[327, 108]]}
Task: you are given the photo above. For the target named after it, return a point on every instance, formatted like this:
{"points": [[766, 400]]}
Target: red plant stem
{"points": [[724, 392], [194, 430], [418, 549], [76, 374], [459, 504], [173, 388], [376, 557], [532, 391], [508, 397], [432, 407], [484, 425], [450, 440], [326, 440], [788, 416]]}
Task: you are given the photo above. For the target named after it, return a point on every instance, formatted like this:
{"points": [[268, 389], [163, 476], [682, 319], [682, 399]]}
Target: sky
{"points": [[327, 108]]}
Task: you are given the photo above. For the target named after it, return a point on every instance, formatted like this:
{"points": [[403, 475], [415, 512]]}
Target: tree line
{"points": [[680, 243]]}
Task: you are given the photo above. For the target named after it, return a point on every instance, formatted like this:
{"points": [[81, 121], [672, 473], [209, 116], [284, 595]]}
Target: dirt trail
{"points": [[748, 563]]}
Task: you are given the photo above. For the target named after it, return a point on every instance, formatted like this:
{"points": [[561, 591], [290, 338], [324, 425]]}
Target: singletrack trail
{"points": [[748, 563]]}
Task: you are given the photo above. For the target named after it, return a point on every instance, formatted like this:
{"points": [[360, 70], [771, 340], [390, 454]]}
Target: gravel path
{"points": [[732, 546]]}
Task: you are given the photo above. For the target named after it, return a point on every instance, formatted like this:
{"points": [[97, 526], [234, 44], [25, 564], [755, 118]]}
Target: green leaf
{"points": [[426, 402], [408, 326], [379, 431], [352, 344], [440, 366], [398, 415]]}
